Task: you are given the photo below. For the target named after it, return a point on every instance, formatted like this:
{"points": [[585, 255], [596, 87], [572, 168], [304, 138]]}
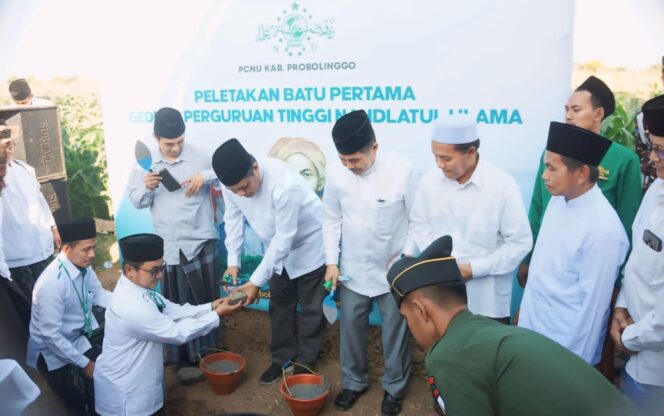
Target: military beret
{"points": [[435, 265]]}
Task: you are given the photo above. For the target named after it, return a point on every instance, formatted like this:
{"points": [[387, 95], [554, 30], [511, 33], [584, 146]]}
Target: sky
{"points": [[69, 37]]}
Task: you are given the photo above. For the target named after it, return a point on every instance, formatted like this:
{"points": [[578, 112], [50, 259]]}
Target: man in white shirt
{"points": [[129, 375], [22, 96], [479, 205], [286, 214], [638, 319], [366, 203], [579, 250], [61, 344], [28, 232], [184, 219]]}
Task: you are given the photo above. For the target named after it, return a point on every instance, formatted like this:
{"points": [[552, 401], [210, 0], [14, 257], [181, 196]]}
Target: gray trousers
{"points": [[297, 336], [355, 309]]}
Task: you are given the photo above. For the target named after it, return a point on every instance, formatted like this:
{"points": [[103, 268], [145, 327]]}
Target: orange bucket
{"points": [[305, 393], [223, 371]]}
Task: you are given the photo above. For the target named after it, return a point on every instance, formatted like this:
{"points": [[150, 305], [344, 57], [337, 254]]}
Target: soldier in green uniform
{"points": [[619, 170], [479, 367]]}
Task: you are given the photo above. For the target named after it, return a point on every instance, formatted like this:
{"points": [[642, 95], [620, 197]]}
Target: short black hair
{"points": [[134, 264], [465, 147], [595, 102], [573, 164], [444, 294]]}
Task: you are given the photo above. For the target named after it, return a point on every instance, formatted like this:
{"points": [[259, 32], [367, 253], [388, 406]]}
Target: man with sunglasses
{"points": [[129, 375], [64, 337], [184, 219], [28, 229], [637, 327]]}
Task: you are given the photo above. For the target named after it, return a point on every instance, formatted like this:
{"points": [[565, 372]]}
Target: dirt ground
{"points": [[248, 333]]}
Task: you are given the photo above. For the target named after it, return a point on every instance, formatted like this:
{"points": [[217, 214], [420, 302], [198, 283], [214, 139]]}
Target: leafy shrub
{"points": [[85, 155]]}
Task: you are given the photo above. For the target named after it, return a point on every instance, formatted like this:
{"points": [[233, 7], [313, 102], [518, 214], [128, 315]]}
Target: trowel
{"points": [[329, 305], [330, 308], [143, 155]]}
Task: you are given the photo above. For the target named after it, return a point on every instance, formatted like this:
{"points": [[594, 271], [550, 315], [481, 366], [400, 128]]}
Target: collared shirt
{"points": [[489, 228], [368, 215], [26, 218], [643, 292], [576, 259], [129, 373], [4, 268], [184, 223], [57, 324], [286, 215]]}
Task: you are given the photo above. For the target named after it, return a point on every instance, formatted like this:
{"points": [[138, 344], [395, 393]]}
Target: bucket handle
{"points": [[200, 357], [326, 382]]}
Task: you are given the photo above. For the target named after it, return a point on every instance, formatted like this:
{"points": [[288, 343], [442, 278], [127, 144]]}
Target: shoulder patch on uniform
{"points": [[438, 402]]}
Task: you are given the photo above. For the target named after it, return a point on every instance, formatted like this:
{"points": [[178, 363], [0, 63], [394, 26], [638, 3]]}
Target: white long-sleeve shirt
{"points": [[286, 215], [129, 373], [185, 223], [642, 292], [487, 221], [26, 218], [57, 324], [576, 260], [368, 215]]}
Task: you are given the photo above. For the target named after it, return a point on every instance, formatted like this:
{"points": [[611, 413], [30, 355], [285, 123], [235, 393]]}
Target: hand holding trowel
{"points": [[329, 305]]}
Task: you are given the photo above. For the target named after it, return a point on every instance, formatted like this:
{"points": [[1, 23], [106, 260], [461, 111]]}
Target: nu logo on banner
{"points": [[295, 31]]}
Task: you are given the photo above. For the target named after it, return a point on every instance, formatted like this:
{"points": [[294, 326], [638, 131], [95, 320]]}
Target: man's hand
{"points": [[194, 184], [466, 271], [223, 308], [522, 274], [251, 290], [89, 369], [152, 181], [216, 303], [621, 320], [332, 274], [57, 241], [232, 271], [515, 320]]}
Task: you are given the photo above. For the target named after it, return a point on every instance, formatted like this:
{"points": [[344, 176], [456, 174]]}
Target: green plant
{"points": [[85, 156], [619, 126]]}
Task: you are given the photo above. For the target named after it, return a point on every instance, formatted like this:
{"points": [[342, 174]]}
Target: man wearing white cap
{"points": [[480, 206]]}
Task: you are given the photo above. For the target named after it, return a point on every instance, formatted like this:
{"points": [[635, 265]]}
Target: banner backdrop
{"points": [[263, 71]]}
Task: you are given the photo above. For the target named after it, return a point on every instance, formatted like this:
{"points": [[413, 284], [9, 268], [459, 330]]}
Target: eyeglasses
{"points": [[155, 271], [659, 151]]}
